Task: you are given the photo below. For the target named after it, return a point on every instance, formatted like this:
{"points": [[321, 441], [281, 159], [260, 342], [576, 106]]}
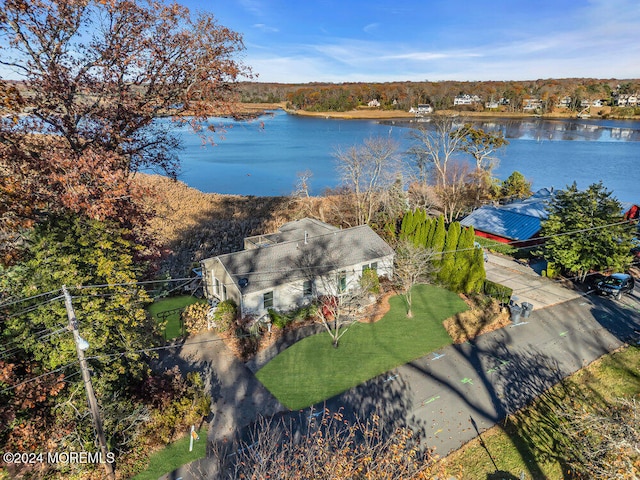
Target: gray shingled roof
{"points": [[291, 261]]}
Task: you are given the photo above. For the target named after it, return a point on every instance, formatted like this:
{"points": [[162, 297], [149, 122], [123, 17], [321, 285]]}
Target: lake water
{"points": [[262, 157]]}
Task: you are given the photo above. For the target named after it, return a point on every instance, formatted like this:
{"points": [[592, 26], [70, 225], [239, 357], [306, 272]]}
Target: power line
{"points": [[121, 354], [188, 280], [34, 307], [12, 387], [124, 284], [8, 349], [14, 302]]}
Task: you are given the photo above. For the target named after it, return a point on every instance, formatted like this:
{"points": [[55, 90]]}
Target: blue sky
{"points": [[294, 41]]}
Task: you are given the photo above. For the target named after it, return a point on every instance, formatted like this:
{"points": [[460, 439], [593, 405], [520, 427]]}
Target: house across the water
{"points": [[287, 269]]}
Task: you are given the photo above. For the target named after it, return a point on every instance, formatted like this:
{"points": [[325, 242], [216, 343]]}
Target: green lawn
{"points": [[174, 455], [172, 329], [312, 370]]}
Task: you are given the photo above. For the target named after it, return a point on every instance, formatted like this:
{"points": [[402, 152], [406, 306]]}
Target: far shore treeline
{"points": [[555, 95]]}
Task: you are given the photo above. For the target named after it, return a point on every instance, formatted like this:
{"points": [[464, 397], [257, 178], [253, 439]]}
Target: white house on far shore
{"points": [[287, 269]]}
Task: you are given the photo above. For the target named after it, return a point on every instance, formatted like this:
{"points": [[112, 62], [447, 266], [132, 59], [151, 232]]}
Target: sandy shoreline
{"points": [[377, 114]]}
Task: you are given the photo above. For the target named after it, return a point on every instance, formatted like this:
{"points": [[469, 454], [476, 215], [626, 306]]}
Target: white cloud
{"points": [[371, 27], [429, 56], [265, 28], [598, 39], [255, 7]]}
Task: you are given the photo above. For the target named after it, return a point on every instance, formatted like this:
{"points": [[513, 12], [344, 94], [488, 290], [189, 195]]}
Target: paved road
{"points": [[482, 380]]}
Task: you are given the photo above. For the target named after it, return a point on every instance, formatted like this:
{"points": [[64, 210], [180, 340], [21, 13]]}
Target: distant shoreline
{"points": [[249, 109]]}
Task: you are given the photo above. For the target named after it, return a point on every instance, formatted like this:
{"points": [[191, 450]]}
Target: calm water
{"points": [[262, 157]]}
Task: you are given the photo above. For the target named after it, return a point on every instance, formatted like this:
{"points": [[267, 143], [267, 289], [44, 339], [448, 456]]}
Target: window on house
{"points": [[370, 266], [342, 282], [216, 289], [307, 288], [267, 300], [224, 292]]}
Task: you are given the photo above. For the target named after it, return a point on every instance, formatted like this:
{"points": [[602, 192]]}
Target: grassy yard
{"points": [[312, 370], [527, 442], [172, 328], [174, 456]]}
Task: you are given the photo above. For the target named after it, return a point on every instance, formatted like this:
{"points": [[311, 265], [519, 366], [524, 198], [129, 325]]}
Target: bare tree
{"points": [[337, 292], [605, 440], [436, 144], [482, 146], [339, 304], [413, 265], [456, 193], [302, 184], [367, 170], [422, 195], [326, 445]]}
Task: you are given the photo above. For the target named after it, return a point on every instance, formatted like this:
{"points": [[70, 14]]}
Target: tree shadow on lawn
{"points": [[238, 398], [512, 367]]}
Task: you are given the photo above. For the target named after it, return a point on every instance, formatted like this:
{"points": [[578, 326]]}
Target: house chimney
{"points": [[306, 237]]}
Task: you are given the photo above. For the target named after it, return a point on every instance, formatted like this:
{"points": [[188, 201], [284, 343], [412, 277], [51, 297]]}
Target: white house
{"points": [[374, 103], [531, 104], [625, 100], [422, 109], [466, 99], [285, 270], [565, 102]]}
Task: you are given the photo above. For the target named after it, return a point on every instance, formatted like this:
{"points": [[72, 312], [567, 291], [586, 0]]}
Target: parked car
{"points": [[615, 285]]}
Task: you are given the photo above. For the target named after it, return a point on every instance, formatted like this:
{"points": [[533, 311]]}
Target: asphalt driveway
{"points": [[528, 286]]}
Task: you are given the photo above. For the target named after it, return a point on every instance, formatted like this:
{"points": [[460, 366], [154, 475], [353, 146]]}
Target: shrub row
{"points": [[500, 292]]}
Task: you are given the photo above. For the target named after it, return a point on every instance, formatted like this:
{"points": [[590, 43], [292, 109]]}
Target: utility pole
{"points": [[81, 346]]}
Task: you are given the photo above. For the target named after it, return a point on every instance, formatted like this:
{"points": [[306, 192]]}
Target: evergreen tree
{"points": [[439, 237], [447, 272], [421, 237], [477, 275], [430, 232], [604, 238], [463, 260], [516, 186], [404, 226]]}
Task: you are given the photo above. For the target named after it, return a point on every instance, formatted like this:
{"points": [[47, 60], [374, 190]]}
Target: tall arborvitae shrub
{"points": [[421, 234], [447, 271], [404, 226], [431, 228], [410, 223], [437, 243], [463, 260], [477, 275]]}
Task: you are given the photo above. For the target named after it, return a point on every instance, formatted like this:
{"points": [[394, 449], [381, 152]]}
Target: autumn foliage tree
{"points": [[97, 74]]}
